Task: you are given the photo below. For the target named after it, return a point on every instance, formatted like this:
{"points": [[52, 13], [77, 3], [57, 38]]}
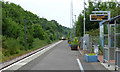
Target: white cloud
{"points": [[58, 10]]}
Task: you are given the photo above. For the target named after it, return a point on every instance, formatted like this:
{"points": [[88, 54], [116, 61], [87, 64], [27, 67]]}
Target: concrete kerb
{"points": [[112, 67], [80, 52]]}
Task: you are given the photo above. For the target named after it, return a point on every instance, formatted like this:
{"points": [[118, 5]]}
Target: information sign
{"points": [[98, 17]]}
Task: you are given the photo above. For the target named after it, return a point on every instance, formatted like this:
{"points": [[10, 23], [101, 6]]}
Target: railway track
{"points": [[10, 62]]}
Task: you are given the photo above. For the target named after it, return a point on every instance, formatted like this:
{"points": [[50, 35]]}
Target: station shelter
{"points": [[110, 40]]}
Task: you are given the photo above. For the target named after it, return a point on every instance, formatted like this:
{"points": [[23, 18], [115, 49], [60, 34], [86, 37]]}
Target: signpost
{"points": [[98, 17], [103, 16]]}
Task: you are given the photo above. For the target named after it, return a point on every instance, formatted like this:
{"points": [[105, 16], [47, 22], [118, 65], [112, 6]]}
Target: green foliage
{"points": [[93, 32], [39, 31], [100, 50], [22, 42], [68, 35], [37, 43], [75, 41], [114, 7], [79, 26], [69, 42], [91, 54], [95, 40], [12, 46]]}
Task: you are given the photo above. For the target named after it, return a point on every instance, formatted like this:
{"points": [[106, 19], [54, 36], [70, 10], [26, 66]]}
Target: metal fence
{"points": [[87, 43], [81, 43]]}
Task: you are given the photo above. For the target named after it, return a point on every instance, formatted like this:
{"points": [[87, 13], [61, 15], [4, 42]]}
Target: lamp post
{"points": [[84, 46], [75, 24], [84, 17]]}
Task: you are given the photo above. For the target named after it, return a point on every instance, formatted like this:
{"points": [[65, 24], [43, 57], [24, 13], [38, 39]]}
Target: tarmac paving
{"points": [[58, 58]]}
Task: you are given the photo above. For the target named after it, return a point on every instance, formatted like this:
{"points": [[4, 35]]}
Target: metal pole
{"points": [[84, 17], [109, 44], [84, 29], [115, 44], [25, 32], [72, 16], [75, 24], [109, 14]]}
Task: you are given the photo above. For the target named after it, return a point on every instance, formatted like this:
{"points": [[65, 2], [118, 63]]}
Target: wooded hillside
{"points": [[39, 31]]}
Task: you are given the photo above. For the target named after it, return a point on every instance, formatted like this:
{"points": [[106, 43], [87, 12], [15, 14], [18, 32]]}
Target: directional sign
{"points": [[98, 17]]}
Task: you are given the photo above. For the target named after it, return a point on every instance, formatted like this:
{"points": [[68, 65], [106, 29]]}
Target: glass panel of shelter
{"points": [[111, 35], [112, 29], [118, 36], [105, 35]]}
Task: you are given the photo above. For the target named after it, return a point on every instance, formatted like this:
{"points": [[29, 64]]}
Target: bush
{"points": [[22, 42], [75, 41], [47, 38], [90, 54], [12, 46], [69, 41], [96, 40], [37, 43]]}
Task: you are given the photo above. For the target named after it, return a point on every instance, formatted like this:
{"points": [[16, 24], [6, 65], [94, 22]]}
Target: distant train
{"points": [[63, 38]]}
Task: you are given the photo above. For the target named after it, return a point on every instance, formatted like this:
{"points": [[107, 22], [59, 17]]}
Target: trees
{"points": [[79, 26], [37, 29], [114, 7]]}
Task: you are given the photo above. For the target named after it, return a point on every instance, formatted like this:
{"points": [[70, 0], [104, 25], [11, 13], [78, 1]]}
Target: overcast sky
{"points": [[58, 10]]}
